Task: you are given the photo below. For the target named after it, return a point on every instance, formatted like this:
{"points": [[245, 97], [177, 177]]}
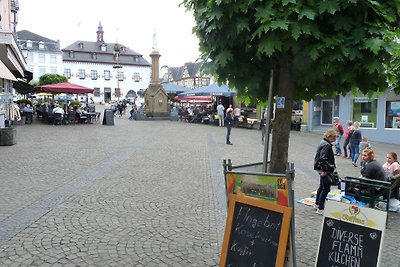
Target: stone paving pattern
{"points": [[141, 193]]}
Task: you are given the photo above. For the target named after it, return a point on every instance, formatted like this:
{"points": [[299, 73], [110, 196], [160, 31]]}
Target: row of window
{"points": [[94, 75], [29, 44], [94, 55], [41, 58]]}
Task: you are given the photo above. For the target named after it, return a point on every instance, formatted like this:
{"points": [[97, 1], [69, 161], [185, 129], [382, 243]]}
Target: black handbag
{"points": [[333, 178]]}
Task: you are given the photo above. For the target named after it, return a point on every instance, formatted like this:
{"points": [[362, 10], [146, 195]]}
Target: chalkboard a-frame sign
{"points": [[108, 118], [350, 236], [256, 233]]}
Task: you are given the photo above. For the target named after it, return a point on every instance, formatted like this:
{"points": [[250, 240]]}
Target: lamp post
{"points": [[117, 51]]}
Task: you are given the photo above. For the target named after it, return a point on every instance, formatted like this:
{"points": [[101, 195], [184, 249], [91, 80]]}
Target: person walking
{"points": [[220, 111], [236, 115], [324, 164], [339, 129], [229, 125], [263, 128], [355, 139], [347, 140]]}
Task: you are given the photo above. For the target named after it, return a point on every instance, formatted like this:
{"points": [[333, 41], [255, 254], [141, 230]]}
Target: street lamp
{"points": [[117, 51]]}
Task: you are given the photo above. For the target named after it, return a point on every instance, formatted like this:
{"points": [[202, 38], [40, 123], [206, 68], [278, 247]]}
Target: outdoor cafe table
{"points": [[90, 116]]}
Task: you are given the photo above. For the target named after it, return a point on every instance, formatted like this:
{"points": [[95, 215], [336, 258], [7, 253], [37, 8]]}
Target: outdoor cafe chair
{"points": [[57, 118]]}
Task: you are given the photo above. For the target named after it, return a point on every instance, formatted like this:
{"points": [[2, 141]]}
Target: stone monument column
{"points": [[156, 99]]}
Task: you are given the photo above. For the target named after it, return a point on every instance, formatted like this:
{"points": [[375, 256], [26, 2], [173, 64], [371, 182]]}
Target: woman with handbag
{"points": [[324, 164]]}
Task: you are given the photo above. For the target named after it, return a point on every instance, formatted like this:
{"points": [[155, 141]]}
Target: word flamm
{"points": [[347, 247]]}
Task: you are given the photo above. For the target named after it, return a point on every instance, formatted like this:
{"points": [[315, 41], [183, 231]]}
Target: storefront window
{"points": [[392, 112], [365, 111]]}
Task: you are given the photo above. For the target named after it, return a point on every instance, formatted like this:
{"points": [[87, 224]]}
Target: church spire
{"points": [[100, 32]]}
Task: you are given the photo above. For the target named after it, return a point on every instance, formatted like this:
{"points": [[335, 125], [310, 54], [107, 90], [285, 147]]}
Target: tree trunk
{"points": [[282, 123]]}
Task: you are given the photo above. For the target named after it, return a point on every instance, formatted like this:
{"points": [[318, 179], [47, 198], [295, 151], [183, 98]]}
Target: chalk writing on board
{"points": [[254, 235], [346, 244]]}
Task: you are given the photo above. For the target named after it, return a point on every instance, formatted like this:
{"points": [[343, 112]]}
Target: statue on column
{"points": [[155, 48]]}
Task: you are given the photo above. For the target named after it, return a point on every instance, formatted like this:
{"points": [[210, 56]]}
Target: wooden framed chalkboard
{"points": [[256, 233], [108, 118]]}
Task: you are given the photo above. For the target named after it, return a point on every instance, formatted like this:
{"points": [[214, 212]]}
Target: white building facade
{"points": [[42, 55], [112, 70]]}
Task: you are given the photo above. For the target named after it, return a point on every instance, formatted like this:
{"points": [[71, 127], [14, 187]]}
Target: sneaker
{"points": [[229, 143], [320, 212], [354, 164]]}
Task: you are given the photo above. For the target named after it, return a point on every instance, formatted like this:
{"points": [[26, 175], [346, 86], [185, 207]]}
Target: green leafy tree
{"points": [[324, 47], [51, 79]]}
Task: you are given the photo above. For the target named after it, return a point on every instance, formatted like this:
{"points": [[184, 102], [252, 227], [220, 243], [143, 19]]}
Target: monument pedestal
{"points": [[156, 100]]}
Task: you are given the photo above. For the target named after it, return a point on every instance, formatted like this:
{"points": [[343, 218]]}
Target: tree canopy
{"points": [[315, 47], [51, 79], [329, 46]]}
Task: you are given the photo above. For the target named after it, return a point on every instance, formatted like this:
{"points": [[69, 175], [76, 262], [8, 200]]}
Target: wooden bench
{"points": [[368, 190]]}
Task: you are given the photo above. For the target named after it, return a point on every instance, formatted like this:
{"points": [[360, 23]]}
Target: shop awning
{"points": [[5, 73], [23, 88], [194, 99], [210, 90], [174, 88]]}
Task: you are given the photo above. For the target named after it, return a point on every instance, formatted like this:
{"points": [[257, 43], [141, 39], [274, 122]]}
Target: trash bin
{"points": [[8, 136]]}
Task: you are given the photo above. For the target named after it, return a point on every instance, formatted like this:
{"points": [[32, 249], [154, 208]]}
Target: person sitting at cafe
{"points": [[58, 110], [27, 112], [27, 109], [373, 169]]}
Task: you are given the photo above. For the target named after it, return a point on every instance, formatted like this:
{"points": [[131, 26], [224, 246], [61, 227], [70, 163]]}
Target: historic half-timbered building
{"points": [[189, 75]]}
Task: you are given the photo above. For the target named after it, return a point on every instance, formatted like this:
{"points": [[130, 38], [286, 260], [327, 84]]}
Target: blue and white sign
{"points": [[280, 102]]}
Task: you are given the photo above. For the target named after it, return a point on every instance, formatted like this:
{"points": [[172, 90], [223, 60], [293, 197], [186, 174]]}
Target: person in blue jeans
{"points": [[339, 129], [229, 125], [324, 164], [355, 139]]}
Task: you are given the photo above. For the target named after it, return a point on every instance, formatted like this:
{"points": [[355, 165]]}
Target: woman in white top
{"points": [[391, 166]]}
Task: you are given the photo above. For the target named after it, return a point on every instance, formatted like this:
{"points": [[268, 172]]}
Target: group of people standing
{"points": [[330, 146], [355, 142]]}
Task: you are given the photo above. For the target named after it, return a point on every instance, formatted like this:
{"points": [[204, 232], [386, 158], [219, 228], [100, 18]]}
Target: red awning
{"points": [[194, 99], [66, 87]]}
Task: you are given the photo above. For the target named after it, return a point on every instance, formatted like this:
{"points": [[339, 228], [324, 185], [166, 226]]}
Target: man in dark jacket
{"points": [[229, 125], [324, 163]]}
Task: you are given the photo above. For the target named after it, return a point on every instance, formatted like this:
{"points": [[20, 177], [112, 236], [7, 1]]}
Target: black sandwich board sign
{"points": [[108, 118], [256, 233], [350, 236]]}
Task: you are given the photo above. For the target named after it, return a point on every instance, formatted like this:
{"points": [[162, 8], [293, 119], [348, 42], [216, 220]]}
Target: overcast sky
{"points": [[130, 22]]}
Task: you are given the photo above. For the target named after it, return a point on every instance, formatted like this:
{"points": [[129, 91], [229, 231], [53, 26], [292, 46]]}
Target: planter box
{"points": [[8, 136]]}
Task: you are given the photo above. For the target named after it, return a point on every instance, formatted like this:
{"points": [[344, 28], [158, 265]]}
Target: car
{"points": [[130, 99]]}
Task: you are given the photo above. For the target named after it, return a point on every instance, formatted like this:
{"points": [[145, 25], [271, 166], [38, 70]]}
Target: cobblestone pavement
{"points": [[140, 193]]}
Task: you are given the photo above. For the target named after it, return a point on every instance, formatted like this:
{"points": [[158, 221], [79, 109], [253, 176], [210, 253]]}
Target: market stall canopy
{"points": [[66, 87], [23, 88], [171, 88], [194, 99], [210, 90]]}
